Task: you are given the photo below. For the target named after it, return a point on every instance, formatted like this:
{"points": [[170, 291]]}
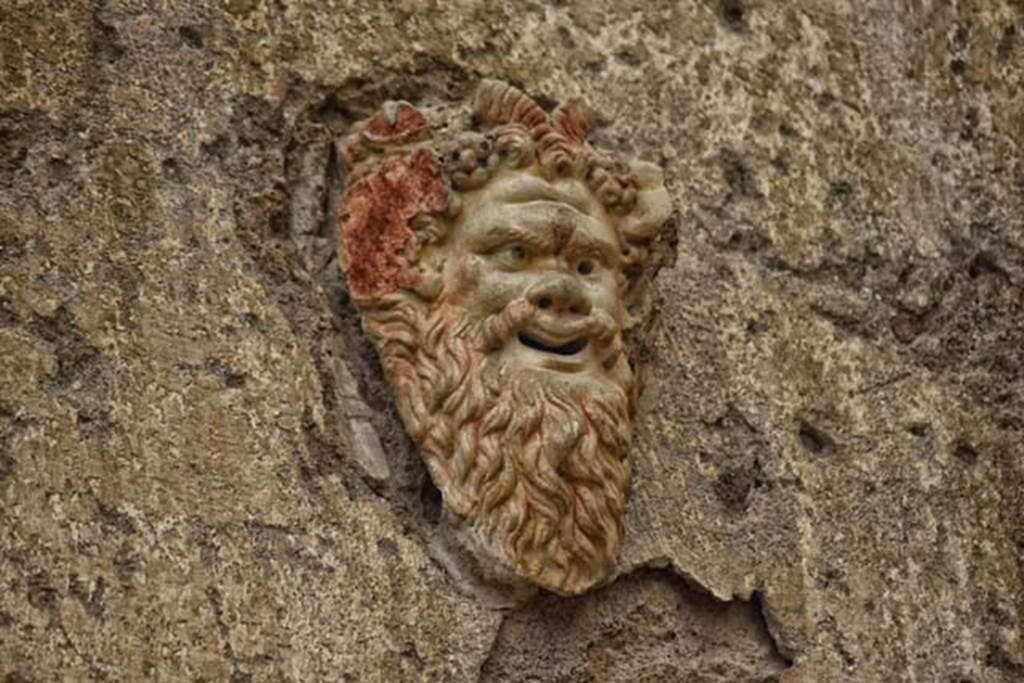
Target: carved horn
{"points": [[498, 102], [574, 120]]}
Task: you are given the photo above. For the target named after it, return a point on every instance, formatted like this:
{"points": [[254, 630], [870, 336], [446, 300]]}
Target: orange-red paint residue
{"points": [[374, 229], [409, 124]]}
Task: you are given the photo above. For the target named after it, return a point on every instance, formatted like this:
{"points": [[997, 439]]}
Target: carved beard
{"points": [[534, 468]]}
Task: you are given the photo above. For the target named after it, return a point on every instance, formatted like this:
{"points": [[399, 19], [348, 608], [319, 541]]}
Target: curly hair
{"points": [[385, 152], [535, 475]]}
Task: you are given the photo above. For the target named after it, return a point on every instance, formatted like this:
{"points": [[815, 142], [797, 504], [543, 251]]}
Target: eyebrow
{"points": [[499, 233], [581, 240], [538, 232], [583, 243]]}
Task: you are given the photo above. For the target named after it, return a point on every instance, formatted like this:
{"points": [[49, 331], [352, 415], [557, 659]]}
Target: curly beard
{"points": [[533, 468]]}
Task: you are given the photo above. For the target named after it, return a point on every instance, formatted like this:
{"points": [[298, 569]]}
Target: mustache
{"points": [[598, 326]]}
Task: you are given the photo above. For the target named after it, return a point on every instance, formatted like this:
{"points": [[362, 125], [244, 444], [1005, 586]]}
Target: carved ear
{"points": [[429, 282], [574, 120], [498, 102], [653, 205]]}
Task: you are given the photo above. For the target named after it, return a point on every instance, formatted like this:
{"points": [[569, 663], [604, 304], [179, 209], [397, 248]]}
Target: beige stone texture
{"points": [[202, 473]]}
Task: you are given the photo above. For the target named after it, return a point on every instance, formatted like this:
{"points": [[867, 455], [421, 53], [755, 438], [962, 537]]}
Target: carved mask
{"points": [[493, 272]]}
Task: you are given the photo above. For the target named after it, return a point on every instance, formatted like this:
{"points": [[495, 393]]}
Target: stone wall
{"points": [[202, 474]]}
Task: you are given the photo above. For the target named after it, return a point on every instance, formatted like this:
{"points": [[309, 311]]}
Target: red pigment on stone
{"points": [[374, 229], [409, 124]]}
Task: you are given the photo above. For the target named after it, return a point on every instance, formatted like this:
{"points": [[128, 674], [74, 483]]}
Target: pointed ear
{"points": [[653, 204], [428, 283]]}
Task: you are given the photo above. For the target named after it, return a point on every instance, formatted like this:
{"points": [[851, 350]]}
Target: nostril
{"points": [[545, 302]]}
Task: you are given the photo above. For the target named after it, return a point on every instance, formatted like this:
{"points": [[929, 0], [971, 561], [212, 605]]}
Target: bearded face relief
{"points": [[493, 270], [549, 251]]}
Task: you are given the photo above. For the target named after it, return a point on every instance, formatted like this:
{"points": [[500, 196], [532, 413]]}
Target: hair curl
{"points": [[516, 133]]}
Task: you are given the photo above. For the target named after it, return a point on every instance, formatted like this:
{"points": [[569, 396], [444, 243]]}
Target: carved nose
{"points": [[560, 294]]}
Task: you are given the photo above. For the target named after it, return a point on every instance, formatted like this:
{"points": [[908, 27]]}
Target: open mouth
{"points": [[568, 349]]}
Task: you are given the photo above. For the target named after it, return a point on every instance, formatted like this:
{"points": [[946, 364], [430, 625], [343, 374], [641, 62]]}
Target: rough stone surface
{"points": [[645, 627], [829, 477]]}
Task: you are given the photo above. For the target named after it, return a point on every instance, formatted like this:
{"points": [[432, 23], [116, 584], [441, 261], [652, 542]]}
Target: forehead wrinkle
{"points": [[551, 216], [565, 212], [547, 225], [529, 189], [514, 231], [495, 222], [574, 230], [558, 222], [571, 231]]}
